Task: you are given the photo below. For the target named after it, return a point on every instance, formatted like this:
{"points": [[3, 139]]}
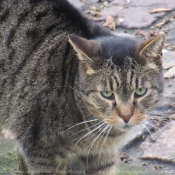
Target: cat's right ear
{"points": [[87, 51]]}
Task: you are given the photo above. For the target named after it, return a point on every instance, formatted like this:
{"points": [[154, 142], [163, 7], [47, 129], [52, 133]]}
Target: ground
{"points": [[146, 153]]}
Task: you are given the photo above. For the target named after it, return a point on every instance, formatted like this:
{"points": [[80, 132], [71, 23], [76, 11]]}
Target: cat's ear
{"points": [[87, 51], [151, 50]]}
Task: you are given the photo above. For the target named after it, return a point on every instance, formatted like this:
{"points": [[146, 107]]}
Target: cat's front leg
{"points": [[103, 164], [42, 165], [51, 169]]}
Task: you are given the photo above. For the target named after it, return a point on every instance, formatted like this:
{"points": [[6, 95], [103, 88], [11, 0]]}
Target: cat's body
{"points": [[61, 106]]}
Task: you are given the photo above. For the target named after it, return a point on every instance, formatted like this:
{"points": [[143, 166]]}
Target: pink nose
{"points": [[126, 118]]}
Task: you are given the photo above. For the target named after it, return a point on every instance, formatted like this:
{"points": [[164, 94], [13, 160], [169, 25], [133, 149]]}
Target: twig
{"points": [[84, 1]]}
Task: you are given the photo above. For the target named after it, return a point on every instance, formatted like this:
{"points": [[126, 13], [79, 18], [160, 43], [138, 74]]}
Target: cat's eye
{"points": [[107, 94], [140, 92]]}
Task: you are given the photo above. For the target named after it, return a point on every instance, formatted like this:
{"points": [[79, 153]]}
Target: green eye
{"points": [[107, 94], [140, 92]]}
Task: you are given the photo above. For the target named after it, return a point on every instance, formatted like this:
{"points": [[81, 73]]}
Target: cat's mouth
{"points": [[124, 128], [118, 131]]}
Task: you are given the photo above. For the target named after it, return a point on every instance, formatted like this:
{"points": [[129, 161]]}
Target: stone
{"points": [[130, 16], [169, 63], [81, 5], [170, 37], [136, 13], [163, 148]]}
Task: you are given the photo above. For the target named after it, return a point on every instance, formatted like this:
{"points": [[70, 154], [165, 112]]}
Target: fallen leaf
{"points": [[170, 73], [170, 47], [99, 19], [144, 33], [120, 7], [85, 2], [168, 65], [170, 82], [109, 23], [160, 10], [165, 21], [153, 32]]}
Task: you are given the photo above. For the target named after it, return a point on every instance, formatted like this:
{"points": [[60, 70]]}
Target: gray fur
{"points": [[50, 96]]}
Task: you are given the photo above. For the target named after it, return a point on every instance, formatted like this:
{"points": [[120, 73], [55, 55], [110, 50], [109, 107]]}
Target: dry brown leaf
{"points": [[88, 3], [99, 19], [160, 10], [109, 23], [165, 21]]}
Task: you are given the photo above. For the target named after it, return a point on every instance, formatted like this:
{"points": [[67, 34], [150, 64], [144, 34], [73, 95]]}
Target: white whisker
{"points": [[80, 124], [103, 132], [86, 128], [158, 129], [94, 133], [88, 134], [104, 141], [90, 145], [148, 130], [97, 136]]}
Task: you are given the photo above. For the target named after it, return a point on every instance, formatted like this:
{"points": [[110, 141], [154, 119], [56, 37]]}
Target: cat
{"points": [[71, 90]]}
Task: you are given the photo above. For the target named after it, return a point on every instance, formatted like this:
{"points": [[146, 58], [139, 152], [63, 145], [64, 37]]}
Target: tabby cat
{"points": [[70, 90]]}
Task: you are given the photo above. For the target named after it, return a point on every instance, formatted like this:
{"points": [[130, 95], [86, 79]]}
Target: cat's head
{"points": [[120, 78]]}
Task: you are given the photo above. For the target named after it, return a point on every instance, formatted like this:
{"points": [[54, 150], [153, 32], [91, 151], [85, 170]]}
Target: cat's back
{"points": [[36, 60]]}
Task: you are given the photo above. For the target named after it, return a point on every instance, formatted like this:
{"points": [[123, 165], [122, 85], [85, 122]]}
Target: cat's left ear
{"points": [[151, 51], [87, 51]]}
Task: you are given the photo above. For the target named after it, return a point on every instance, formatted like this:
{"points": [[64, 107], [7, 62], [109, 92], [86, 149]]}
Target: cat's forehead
{"points": [[123, 79]]}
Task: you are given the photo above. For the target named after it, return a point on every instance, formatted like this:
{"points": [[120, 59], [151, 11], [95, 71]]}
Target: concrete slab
{"points": [[163, 148]]}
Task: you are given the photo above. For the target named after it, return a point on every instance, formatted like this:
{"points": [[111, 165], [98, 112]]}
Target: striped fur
{"points": [[50, 98]]}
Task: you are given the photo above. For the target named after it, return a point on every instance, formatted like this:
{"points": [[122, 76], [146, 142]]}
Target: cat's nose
{"points": [[125, 118]]}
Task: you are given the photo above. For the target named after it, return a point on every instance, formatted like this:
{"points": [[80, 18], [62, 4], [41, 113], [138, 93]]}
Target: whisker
{"points": [[91, 144], [94, 133], [97, 135], [104, 141], [158, 129], [87, 134], [80, 124], [86, 128], [103, 132], [148, 130]]}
